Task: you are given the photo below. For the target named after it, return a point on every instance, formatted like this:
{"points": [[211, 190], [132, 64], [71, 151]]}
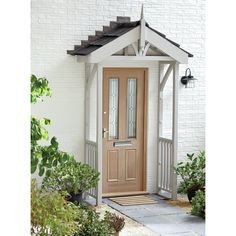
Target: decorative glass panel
{"points": [[113, 108], [131, 107]]}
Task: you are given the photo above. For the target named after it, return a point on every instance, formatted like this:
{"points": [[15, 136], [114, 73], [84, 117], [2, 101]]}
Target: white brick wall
{"points": [[57, 25]]}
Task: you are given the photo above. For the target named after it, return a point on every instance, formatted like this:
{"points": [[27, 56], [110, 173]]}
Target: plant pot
{"points": [[76, 197], [191, 192], [117, 234]]}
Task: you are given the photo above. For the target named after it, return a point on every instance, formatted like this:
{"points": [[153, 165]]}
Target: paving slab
{"points": [[189, 233], [137, 213], [163, 218]]}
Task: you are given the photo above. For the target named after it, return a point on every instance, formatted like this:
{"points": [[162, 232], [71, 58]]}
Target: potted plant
{"points": [[192, 173], [72, 177]]}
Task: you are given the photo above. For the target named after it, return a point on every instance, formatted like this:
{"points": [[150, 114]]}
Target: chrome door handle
{"points": [[104, 132]]}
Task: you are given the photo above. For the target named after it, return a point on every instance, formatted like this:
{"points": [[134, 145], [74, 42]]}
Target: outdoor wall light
{"points": [[188, 80]]}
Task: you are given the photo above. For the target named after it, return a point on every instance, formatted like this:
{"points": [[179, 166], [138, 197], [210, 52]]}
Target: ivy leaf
{"points": [[45, 121], [33, 168], [41, 170], [54, 162], [45, 134], [48, 173], [54, 142]]}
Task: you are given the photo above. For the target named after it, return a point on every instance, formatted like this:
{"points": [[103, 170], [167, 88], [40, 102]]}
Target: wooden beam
{"points": [[146, 49], [158, 121], [88, 74], [99, 133], [160, 112], [86, 107], [138, 58], [142, 36], [167, 47], [175, 128], [135, 49], [166, 76], [108, 49], [92, 74]]}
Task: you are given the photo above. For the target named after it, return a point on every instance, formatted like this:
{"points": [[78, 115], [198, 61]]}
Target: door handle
{"points": [[104, 132]]}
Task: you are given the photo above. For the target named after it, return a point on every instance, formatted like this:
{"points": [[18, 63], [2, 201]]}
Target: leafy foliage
{"points": [[39, 88], [92, 225], [116, 222], [43, 157], [73, 177], [51, 214], [198, 204], [192, 172]]}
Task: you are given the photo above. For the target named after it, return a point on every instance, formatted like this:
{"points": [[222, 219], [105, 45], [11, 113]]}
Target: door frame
{"points": [[144, 182]]}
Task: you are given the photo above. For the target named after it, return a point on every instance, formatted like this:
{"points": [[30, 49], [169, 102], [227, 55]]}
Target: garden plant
{"points": [[72, 177], [198, 204], [51, 214], [91, 224], [192, 173]]}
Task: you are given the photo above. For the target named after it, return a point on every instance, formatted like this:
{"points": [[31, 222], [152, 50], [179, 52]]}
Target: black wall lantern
{"points": [[188, 80]]}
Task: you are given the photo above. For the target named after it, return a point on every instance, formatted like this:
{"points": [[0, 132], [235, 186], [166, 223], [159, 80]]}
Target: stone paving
{"points": [[163, 218], [132, 227]]}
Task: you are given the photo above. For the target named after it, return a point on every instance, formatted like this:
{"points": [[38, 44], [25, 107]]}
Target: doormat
{"points": [[133, 200]]}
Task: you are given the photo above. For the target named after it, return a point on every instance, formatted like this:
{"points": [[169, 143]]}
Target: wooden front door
{"points": [[124, 104]]}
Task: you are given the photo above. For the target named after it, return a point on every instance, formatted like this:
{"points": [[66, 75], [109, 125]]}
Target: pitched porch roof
{"points": [[109, 33]]}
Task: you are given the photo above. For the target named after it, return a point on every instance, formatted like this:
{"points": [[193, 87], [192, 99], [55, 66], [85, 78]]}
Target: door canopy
{"points": [[128, 38]]}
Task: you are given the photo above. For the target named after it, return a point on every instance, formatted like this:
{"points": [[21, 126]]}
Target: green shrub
{"points": [[72, 177], [198, 204], [92, 225], [51, 214], [192, 172]]}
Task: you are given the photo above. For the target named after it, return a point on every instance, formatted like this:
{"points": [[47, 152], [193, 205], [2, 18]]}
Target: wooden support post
{"points": [[161, 68], [86, 107], [99, 133], [158, 121], [166, 76], [175, 128], [87, 72]]}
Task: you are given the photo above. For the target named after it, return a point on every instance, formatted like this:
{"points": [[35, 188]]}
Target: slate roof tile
{"points": [[117, 28]]}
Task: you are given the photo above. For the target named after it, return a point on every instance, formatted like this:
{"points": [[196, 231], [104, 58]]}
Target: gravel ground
{"points": [[181, 202], [131, 228]]}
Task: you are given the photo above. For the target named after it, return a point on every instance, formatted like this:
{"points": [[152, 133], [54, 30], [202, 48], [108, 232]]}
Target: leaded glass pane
{"points": [[132, 107], [113, 107]]}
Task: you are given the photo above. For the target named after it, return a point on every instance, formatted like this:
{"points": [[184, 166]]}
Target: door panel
{"points": [[112, 165], [123, 125], [130, 164]]}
